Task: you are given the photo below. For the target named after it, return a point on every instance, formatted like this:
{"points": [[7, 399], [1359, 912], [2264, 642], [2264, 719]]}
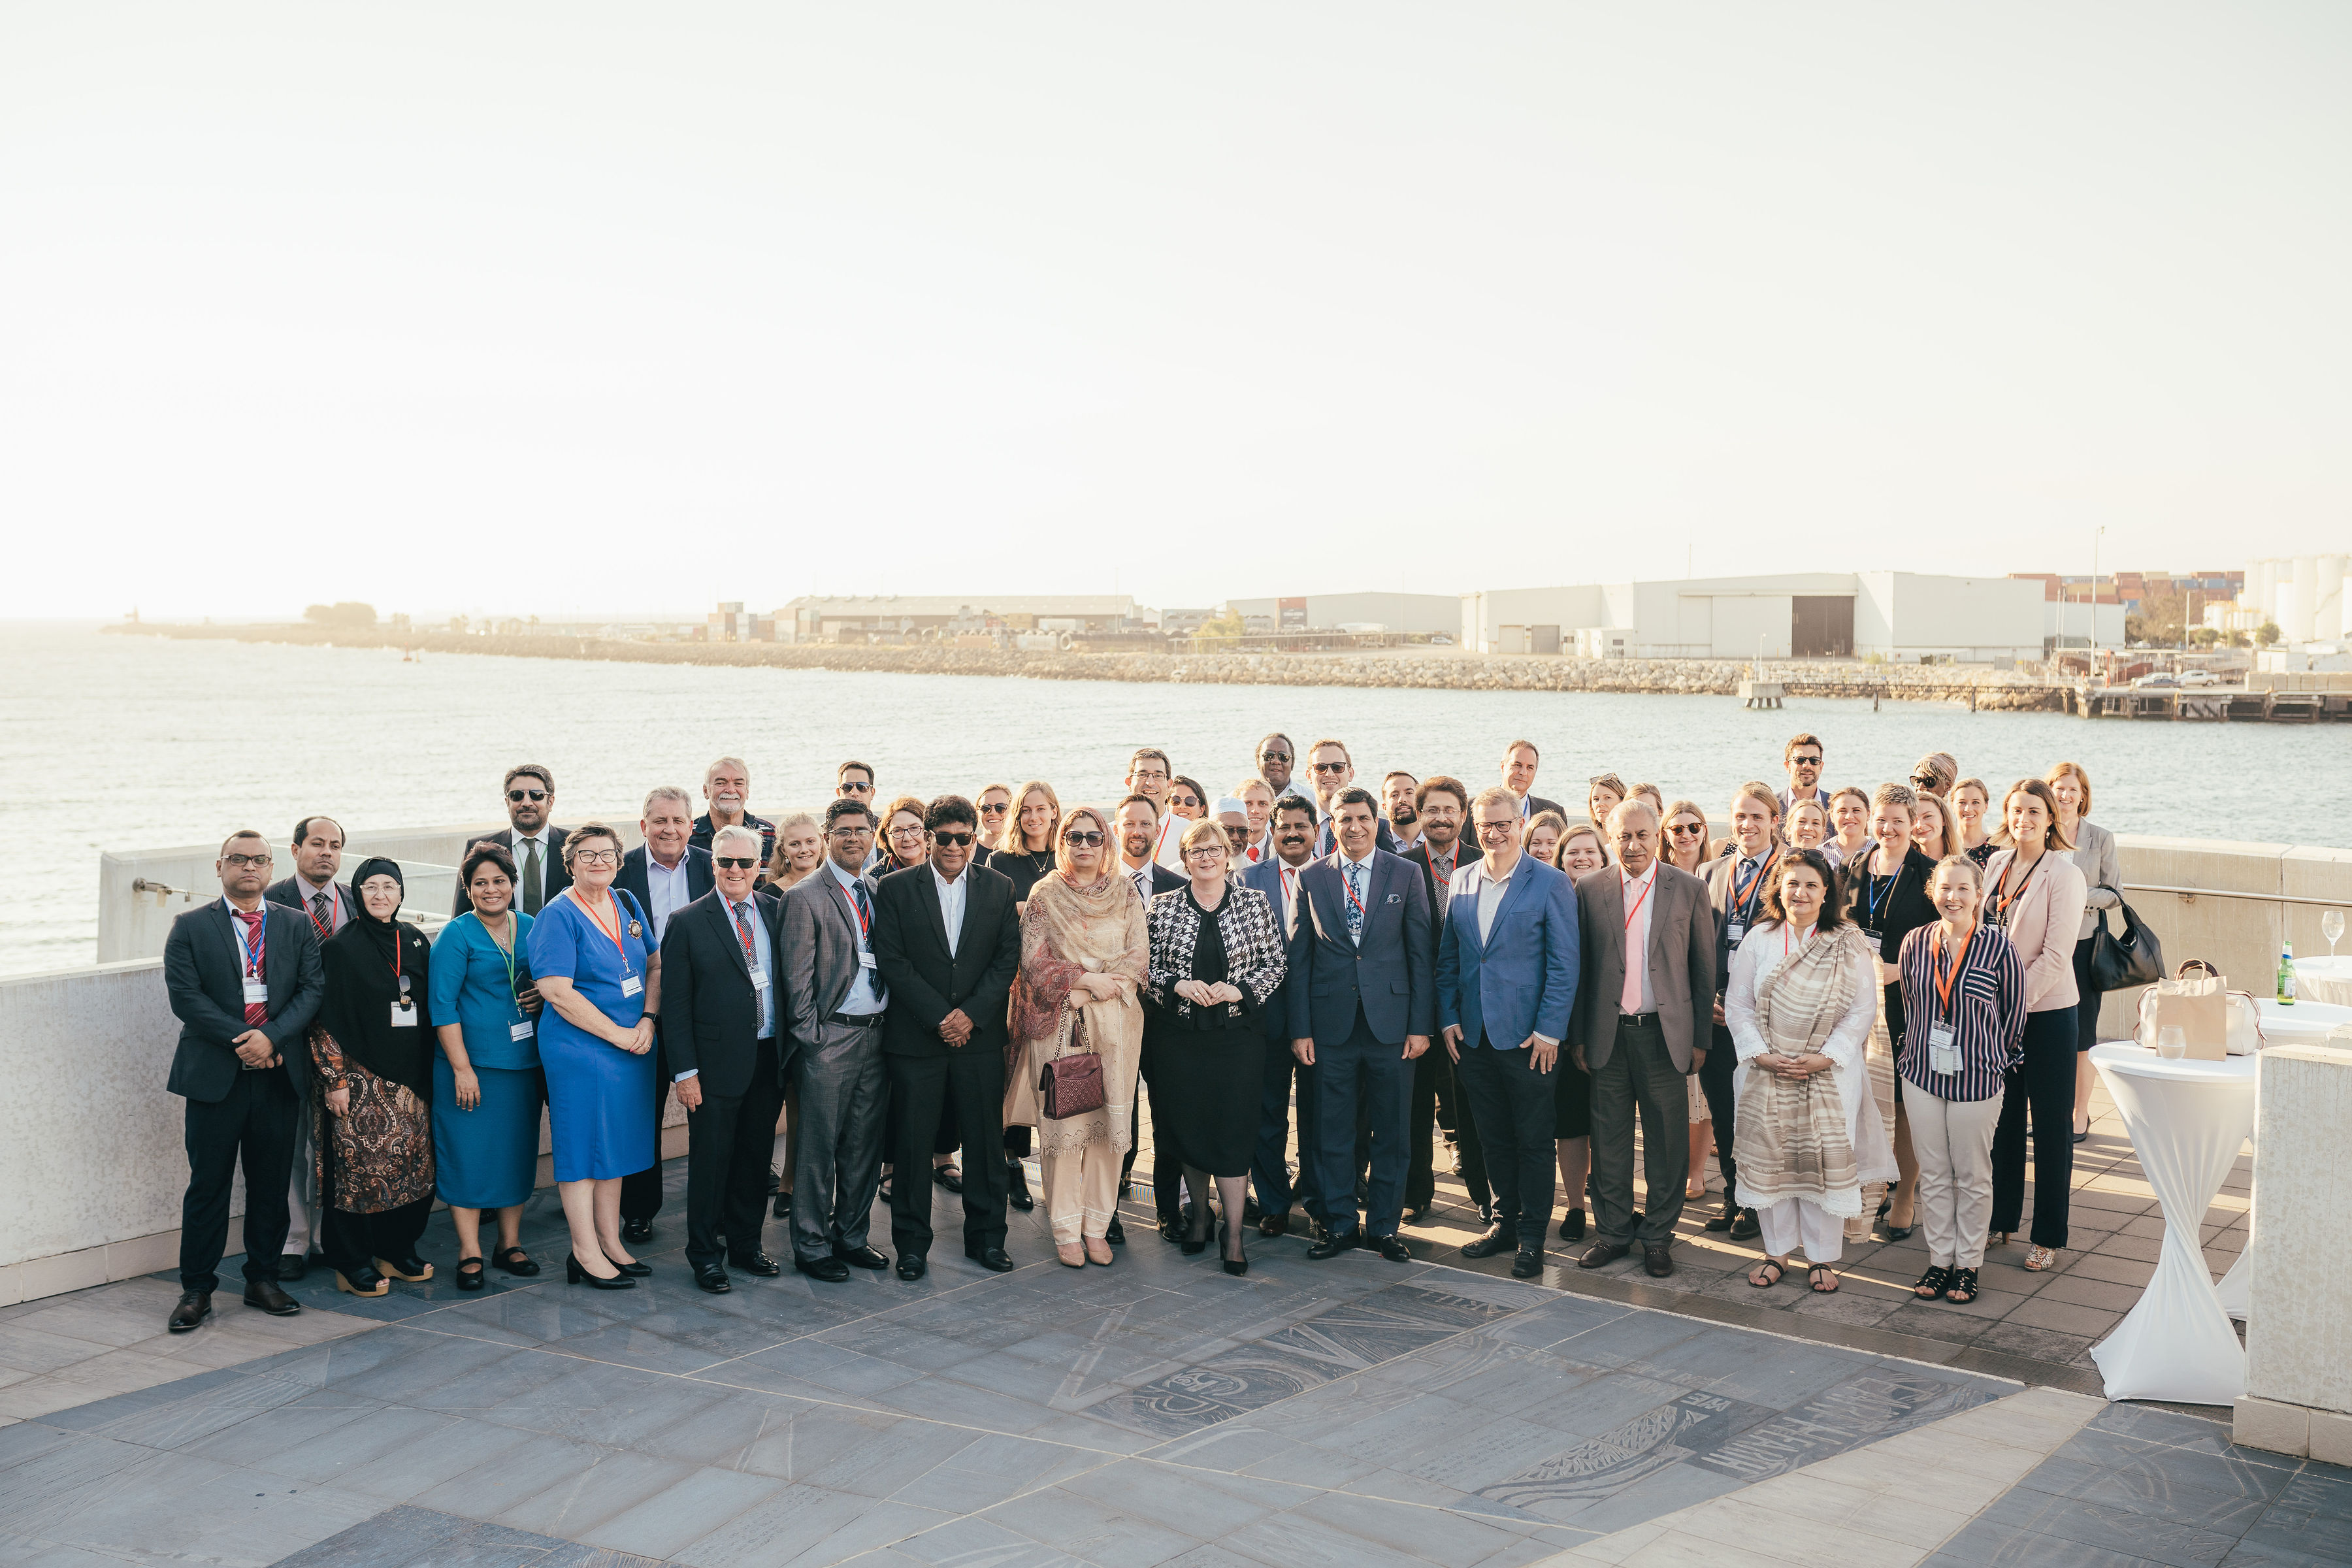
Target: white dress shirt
{"points": [[866, 988], [1637, 930], [1290, 899], [1168, 848], [523, 844], [1139, 875], [951, 904], [665, 889], [1489, 890]]}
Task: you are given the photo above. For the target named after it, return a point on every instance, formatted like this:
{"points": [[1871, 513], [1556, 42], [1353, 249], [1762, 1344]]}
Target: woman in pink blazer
{"points": [[2037, 899]]}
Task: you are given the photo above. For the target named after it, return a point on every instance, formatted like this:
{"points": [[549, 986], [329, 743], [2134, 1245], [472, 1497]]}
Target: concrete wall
{"points": [[1484, 614], [2298, 1334]]}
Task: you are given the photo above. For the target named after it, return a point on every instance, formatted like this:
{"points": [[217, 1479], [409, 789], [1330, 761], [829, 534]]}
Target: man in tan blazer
{"points": [[1641, 1031]]}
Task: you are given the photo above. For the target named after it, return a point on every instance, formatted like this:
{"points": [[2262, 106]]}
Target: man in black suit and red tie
{"points": [[726, 1057], [538, 848], [244, 982]]}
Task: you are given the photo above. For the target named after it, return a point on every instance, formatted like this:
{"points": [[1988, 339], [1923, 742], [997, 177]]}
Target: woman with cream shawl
{"points": [[1085, 950]]}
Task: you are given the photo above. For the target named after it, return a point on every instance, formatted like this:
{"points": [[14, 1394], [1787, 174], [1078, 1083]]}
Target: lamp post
{"points": [[2094, 591]]}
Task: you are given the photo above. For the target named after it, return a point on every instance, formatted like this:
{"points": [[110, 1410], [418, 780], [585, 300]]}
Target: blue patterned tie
{"points": [[1355, 875]]}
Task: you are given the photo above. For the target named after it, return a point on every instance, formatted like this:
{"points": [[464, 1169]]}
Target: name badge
{"points": [[521, 1031], [632, 986], [404, 1017], [256, 991], [1734, 931], [864, 961], [1943, 1054], [758, 980]]}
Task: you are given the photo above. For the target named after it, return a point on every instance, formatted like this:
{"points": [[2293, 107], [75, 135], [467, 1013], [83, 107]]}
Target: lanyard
{"points": [[856, 897], [613, 930], [1944, 977], [1786, 950], [505, 953], [1348, 884], [1870, 892], [1638, 903], [2002, 899], [252, 941], [1744, 897], [1453, 860], [744, 930]]}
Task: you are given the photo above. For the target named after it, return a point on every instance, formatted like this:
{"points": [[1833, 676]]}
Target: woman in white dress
{"points": [[1808, 1136]]}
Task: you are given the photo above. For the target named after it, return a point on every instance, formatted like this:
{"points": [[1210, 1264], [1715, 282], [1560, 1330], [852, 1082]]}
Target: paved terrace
{"points": [[1357, 1413]]}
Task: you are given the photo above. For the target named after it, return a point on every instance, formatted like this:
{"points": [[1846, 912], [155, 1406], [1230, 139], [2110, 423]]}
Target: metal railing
{"points": [[2193, 894]]}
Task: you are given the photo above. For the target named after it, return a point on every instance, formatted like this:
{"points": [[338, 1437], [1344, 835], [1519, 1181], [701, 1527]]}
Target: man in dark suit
{"points": [[946, 942], [318, 850], [1136, 827], [244, 982], [538, 848], [1361, 1008], [1520, 760], [1736, 884], [1443, 807], [664, 874], [1640, 1028], [1293, 828], [1506, 972], [720, 974], [833, 1000]]}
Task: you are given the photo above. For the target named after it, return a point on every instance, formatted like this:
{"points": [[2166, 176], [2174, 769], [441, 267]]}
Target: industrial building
{"points": [[903, 618], [1414, 614], [1808, 615]]}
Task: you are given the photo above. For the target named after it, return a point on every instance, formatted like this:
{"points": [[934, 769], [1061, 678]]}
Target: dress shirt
{"points": [[523, 844], [764, 960], [665, 889], [1262, 850], [1404, 845], [1365, 892], [1491, 891], [1637, 930], [339, 913], [866, 990], [1441, 869], [1139, 875], [1290, 898], [951, 903], [1168, 848]]}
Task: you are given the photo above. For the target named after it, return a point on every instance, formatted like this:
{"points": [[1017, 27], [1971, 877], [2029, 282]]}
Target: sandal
{"points": [[1931, 1284], [1815, 1274], [1963, 1288], [470, 1274], [1775, 1265], [513, 1260], [2041, 1259], [1692, 1197]]}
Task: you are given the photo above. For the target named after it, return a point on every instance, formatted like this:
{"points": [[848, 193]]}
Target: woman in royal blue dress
{"points": [[595, 965], [487, 1087]]}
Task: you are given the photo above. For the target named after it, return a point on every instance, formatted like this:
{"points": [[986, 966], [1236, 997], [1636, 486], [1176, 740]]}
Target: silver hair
{"points": [[1628, 805], [735, 830], [668, 792]]}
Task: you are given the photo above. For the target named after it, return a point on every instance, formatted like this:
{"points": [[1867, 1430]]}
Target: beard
{"points": [[1404, 817]]}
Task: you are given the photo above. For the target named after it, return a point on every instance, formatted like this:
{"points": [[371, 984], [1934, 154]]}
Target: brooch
{"points": [[636, 929]]}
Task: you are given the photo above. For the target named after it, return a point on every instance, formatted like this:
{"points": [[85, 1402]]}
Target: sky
{"points": [[546, 309]]}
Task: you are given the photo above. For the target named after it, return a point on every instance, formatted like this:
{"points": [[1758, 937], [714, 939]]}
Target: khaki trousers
{"points": [[1953, 1138], [1081, 1191]]}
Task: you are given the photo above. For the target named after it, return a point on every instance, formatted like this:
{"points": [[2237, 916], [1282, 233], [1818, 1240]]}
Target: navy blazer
{"points": [[711, 1014], [1265, 878], [293, 893], [205, 976], [1387, 974], [554, 876], [701, 877], [1521, 980]]}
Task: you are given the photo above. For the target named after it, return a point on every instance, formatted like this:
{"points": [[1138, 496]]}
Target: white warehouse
{"points": [[1901, 615]]}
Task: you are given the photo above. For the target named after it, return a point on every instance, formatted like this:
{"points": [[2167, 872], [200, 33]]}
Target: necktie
{"points": [[864, 910], [1355, 875], [531, 876], [1143, 883], [255, 1011], [743, 929], [1629, 1000], [322, 915]]}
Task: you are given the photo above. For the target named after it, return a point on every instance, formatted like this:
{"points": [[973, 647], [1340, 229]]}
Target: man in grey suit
{"points": [[834, 999], [1641, 1029]]}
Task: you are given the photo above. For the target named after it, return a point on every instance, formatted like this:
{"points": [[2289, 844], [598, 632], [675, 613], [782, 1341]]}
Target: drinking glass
{"points": [[2331, 926], [2171, 1043]]}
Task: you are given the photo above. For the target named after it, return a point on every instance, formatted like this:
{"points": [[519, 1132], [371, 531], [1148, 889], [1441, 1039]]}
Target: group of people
{"points": [[1850, 997]]}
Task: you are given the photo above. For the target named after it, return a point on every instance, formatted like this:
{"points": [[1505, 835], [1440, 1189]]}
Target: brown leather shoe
{"points": [[1602, 1254], [1658, 1257], [195, 1307]]}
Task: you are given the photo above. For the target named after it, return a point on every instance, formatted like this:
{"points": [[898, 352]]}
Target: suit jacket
{"points": [[293, 893], [1537, 806], [926, 983], [710, 1012], [1464, 852], [1681, 960], [203, 973], [1387, 974], [553, 878], [820, 952], [1163, 880], [1718, 878], [1521, 979], [1266, 877], [701, 877]]}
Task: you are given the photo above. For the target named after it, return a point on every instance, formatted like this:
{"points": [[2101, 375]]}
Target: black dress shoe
{"points": [[948, 1176], [1602, 1254], [1745, 1227], [1391, 1248], [195, 1307], [293, 1266], [1528, 1265], [631, 1269], [1116, 1233], [758, 1263], [1498, 1239], [1171, 1227], [635, 1230], [1658, 1258], [1572, 1229], [1016, 1186], [1332, 1246], [832, 1270], [784, 1206], [995, 1259], [469, 1275], [912, 1266], [713, 1278], [514, 1260], [860, 1258], [775, 1180]]}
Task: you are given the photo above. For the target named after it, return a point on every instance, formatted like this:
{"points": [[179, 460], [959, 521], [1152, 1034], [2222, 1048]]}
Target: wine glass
{"points": [[2171, 1042], [2331, 926]]}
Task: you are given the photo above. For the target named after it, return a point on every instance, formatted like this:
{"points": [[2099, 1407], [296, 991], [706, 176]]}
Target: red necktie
{"points": [[255, 1011]]}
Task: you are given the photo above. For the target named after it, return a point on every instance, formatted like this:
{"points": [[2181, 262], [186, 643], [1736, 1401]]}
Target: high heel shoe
{"points": [[1235, 1266], [631, 1269], [575, 1274], [1193, 1245]]}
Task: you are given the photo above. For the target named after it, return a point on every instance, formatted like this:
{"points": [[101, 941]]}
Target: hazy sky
{"points": [[534, 307]]}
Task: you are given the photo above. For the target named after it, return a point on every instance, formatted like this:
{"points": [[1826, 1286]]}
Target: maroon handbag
{"points": [[1072, 1083]]}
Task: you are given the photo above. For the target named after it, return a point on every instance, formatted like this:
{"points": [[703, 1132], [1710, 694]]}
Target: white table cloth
{"points": [[2301, 1024], [2320, 978], [2186, 1120]]}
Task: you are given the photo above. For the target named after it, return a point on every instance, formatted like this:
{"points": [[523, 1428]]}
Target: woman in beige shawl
{"points": [[1801, 1002], [1085, 950]]}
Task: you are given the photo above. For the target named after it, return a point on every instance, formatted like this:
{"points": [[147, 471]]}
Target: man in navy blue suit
{"points": [[1277, 877], [1361, 1005], [1507, 973], [665, 874]]}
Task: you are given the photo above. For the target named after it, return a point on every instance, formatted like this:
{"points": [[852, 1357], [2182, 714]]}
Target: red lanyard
{"points": [[1800, 941], [1638, 903], [614, 931], [2003, 898], [1348, 884], [744, 930], [1944, 977]]}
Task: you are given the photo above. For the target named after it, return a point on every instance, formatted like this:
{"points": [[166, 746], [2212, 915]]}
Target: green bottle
{"points": [[2287, 974]]}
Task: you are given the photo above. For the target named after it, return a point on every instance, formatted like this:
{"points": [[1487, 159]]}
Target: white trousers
{"points": [[1953, 1138], [1081, 1191], [1793, 1223]]}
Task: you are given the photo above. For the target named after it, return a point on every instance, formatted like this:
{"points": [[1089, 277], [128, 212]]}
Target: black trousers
{"points": [[2044, 1089], [1715, 1081], [1167, 1171], [968, 1081], [1433, 1086], [1514, 1107], [728, 1142], [354, 1241], [641, 1194], [253, 1123], [2087, 996]]}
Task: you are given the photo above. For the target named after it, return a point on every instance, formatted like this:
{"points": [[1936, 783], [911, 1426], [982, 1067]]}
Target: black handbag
{"points": [[2134, 958]]}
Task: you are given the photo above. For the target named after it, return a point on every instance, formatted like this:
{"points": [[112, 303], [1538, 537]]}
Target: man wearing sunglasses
{"points": [[1275, 757], [946, 942], [538, 848], [1333, 769], [665, 874], [1802, 757]]}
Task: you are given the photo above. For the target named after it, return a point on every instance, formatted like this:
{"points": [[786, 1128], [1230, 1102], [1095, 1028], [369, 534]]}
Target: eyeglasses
{"points": [[850, 833], [735, 862], [951, 840], [912, 830], [1204, 849], [597, 856], [1687, 830], [239, 862], [1330, 767], [1486, 828], [1085, 839], [522, 794]]}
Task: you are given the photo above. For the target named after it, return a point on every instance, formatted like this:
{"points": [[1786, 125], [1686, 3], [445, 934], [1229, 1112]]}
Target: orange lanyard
{"points": [[1741, 892], [1638, 903], [1944, 977], [2003, 898], [614, 931]]}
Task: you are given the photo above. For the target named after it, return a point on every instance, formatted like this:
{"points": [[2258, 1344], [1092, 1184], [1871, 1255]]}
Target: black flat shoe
{"points": [[710, 1276], [470, 1274], [1745, 1227], [832, 1270], [635, 1230], [1391, 1248], [887, 1186], [1571, 1227], [575, 1274], [514, 1260], [993, 1258], [947, 1177], [1496, 1239], [1526, 1265], [1171, 1227], [783, 1207], [755, 1263], [631, 1270], [293, 1266], [860, 1258]]}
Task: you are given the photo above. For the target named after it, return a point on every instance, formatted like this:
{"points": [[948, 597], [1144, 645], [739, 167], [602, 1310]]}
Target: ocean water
{"points": [[122, 742]]}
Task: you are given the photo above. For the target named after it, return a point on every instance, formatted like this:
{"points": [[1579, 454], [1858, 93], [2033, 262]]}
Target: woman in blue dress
{"points": [[486, 1087], [593, 960]]}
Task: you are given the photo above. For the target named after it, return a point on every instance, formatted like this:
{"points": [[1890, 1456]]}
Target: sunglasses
{"points": [[1925, 781], [855, 789], [1084, 839], [951, 840], [1686, 829], [735, 862], [519, 795], [1274, 756], [1183, 800], [1330, 767], [1805, 762], [996, 808]]}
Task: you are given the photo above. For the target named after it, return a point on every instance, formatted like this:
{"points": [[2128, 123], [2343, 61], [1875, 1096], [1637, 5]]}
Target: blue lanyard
{"points": [[1870, 892], [251, 938]]}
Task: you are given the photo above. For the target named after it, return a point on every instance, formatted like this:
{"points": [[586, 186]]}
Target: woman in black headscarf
{"points": [[372, 1049]]}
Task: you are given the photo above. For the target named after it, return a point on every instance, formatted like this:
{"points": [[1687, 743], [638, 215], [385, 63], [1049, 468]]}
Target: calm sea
{"points": [[122, 743]]}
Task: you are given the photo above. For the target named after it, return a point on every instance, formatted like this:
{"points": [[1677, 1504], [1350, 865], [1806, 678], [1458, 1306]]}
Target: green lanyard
{"points": [[506, 952]]}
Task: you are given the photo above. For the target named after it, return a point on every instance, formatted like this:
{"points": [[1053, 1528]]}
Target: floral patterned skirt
{"points": [[378, 1157]]}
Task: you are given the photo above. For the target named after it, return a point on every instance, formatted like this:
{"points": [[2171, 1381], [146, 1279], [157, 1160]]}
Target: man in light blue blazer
{"points": [[1507, 974]]}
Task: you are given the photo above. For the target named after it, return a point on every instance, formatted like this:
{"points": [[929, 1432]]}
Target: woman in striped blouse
{"points": [[1964, 1017]]}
